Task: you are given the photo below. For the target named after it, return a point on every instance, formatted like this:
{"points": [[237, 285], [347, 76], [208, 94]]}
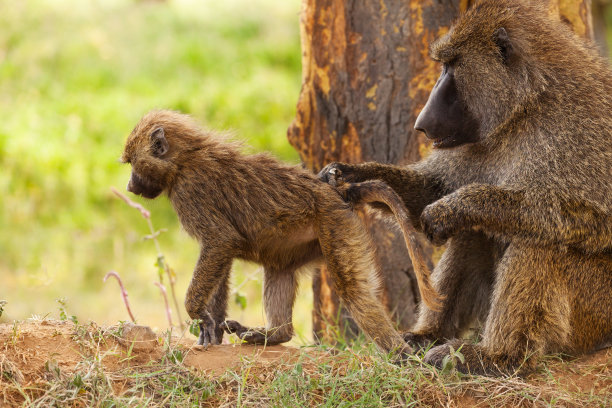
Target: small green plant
{"points": [[449, 362], [62, 311], [175, 356], [118, 331], [52, 367], [240, 300], [172, 355], [194, 327], [15, 333], [77, 382]]}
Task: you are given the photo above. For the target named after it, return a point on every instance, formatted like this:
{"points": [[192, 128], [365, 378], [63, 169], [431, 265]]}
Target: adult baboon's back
{"points": [[519, 182]]}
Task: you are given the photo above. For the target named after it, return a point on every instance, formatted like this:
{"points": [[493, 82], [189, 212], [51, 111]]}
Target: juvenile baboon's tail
{"points": [[376, 191]]}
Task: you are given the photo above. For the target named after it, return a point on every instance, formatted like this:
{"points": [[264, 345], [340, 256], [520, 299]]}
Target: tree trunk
{"points": [[365, 76], [600, 10]]}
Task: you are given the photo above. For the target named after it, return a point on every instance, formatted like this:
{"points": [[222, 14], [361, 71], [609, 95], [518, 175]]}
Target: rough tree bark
{"points": [[600, 10], [366, 75]]}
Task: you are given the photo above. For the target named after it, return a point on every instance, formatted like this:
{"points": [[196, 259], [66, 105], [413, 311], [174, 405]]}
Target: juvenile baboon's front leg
{"points": [[211, 328], [280, 288], [206, 297]]}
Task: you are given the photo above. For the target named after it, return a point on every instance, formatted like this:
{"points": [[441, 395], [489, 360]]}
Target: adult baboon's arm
{"points": [[542, 217], [415, 188]]}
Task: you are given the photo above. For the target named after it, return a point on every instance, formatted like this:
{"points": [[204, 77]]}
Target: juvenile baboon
{"points": [[254, 208], [520, 184]]}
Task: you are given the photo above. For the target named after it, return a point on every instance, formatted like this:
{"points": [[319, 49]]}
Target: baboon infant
{"points": [[254, 208]]}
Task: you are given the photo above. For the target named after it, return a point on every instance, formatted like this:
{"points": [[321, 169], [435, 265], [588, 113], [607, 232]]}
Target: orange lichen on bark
{"points": [[576, 13], [350, 151]]}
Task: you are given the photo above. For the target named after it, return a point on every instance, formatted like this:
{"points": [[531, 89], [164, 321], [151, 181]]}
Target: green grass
{"points": [[316, 376], [75, 77]]}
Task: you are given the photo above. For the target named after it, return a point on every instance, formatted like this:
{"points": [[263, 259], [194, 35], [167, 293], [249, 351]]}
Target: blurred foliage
{"points": [[75, 77]]}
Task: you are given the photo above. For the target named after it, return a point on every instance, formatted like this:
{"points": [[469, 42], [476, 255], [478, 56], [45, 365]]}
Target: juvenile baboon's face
{"points": [[145, 150]]}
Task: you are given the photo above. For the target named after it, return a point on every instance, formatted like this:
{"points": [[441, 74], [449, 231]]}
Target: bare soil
{"points": [[28, 346]]}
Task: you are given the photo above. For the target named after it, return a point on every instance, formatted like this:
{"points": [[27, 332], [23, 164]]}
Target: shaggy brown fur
{"points": [[257, 209], [525, 202]]}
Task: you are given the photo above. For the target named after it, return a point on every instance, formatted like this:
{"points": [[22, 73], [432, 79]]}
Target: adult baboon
{"points": [[254, 208], [520, 184]]}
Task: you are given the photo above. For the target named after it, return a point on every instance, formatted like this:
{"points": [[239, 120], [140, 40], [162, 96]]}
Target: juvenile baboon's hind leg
{"points": [[280, 288], [349, 253]]}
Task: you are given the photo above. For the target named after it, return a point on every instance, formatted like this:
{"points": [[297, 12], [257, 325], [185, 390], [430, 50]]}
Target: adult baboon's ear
{"points": [[158, 142], [502, 39]]}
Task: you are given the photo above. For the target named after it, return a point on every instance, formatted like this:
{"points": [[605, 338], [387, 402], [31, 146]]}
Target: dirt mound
{"points": [[30, 350]]}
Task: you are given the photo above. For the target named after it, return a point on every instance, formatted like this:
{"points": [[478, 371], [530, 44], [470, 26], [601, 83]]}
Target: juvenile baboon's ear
{"points": [[502, 39], [159, 142]]}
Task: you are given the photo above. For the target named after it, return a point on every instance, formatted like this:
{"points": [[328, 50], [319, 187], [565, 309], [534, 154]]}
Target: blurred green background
{"points": [[75, 77]]}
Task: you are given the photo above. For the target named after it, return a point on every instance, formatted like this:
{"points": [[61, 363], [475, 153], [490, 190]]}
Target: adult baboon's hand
{"points": [[336, 174], [439, 222]]}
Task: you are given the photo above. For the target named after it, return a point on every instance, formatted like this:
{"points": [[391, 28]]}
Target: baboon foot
{"points": [[257, 335], [210, 332], [472, 359], [418, 340]]}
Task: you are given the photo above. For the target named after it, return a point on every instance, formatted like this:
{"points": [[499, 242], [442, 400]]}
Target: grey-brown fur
{"points": [[527, 208], [252, 207]]}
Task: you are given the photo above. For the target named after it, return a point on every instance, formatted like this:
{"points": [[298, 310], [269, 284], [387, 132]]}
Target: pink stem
{"points": [[145, 213], [124, 293], [162, 289]]}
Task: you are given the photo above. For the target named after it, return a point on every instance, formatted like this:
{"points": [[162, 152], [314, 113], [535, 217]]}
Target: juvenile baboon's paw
{"points": [[417, 340], [255, 336], [335, 174], [250, 335], [263, 336], [233, 327], [210, 332], [438, 222]]}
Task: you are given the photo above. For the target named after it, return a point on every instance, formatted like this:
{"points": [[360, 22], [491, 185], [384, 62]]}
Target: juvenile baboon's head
{"points": [[497, 58], [154, 148]]}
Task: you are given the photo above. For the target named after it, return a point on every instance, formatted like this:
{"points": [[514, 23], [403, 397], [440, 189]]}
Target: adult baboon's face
{"points": [[446, 119], [490, 74]]}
